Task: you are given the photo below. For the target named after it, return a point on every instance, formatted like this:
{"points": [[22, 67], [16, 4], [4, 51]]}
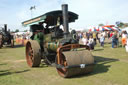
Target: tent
{"points": [[101, 28], [107, 28], [104, 28], [93, 29]]}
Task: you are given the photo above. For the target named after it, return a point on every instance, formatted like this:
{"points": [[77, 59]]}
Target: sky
{"points": [[91, 12]]}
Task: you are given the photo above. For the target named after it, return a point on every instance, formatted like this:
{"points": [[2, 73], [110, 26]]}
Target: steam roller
{"points": [[6, 38], [56, 46]]}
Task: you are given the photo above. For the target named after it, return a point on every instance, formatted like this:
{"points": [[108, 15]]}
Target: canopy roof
{"points": [[51, 18]]}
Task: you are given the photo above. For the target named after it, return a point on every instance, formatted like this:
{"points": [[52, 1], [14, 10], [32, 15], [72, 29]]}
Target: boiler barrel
{"points": [[52, 46]]}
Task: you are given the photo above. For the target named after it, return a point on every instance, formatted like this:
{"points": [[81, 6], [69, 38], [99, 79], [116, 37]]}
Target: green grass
{"points": [[111, 69]]}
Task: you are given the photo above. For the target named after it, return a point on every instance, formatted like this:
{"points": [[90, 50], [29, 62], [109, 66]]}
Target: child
{"points": [[102, 40], [91, 43]]}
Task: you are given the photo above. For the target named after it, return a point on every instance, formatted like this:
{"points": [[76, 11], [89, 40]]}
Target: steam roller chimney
{"points": [[5, 27], [65, 20]]}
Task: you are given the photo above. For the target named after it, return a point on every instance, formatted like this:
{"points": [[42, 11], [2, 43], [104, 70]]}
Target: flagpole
{"points": [[31, 8], [31, 14]]}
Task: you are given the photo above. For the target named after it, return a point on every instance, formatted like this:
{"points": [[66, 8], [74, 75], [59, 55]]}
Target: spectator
{"points": [[102, 40], [108, 34], [98, 36], [124, 37], [114, 42], [111, 34], [117, 38], [94, 37], [126, 46], [91, 43], [85, 40], [88, 35], [104, 34], [80, 35]]}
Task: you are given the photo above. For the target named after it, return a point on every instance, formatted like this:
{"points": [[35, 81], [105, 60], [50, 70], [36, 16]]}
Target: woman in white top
{"points": [[85, 40]]}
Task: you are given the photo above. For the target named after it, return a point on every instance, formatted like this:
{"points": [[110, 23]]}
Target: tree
{"points": [[126, 25], [25, 30], [17, 30], [101, 24], [120, 24]]}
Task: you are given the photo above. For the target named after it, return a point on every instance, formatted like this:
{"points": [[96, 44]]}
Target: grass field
{"points": [[111, 69]]}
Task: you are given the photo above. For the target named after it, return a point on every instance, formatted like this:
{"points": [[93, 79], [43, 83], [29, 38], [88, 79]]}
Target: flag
{"points": [[32, 7]]}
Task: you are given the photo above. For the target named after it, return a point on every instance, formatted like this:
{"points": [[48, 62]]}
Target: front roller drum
{"points": [[33, 53], [75, 63]]}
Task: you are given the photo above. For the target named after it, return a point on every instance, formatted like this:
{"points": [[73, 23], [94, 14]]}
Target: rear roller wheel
{"points": [[33, 53], [75, 58]]}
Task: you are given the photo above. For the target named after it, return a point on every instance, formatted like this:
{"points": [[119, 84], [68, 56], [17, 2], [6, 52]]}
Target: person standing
{"points": [[124, 38], [111, 34], [102, 41], [114, 42], [104, 34], [126, 46], [91, 43], [98, 36], [88, 35], [80, 35], [117, 38], [85, 40], [108, 34], [94, 37]]}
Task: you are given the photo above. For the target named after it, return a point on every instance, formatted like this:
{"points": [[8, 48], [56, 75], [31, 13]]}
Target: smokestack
{"points": [[65, 19], [5, 27]]}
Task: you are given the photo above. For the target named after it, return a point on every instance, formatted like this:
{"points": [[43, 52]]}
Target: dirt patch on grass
{"points": [[20, 61], [16, 61], [124, 60]]}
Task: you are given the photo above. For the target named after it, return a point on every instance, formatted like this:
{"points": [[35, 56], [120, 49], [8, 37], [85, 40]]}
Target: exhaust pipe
{"points": [[65, 20]]}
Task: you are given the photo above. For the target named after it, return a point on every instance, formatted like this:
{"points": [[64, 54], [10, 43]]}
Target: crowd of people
{"points": [[92, 38]]}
